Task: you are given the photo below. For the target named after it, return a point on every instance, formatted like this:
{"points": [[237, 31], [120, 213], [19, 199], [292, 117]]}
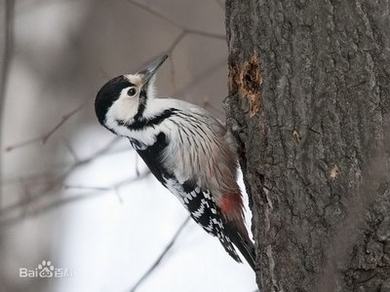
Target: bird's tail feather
{"points": [[243, 244]]}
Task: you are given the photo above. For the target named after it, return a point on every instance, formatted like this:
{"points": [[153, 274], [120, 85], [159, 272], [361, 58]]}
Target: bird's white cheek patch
{"points": [[123, 109], [126, 108]]}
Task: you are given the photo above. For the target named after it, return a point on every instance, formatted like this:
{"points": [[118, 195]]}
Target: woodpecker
{"points": [[186, 148]]}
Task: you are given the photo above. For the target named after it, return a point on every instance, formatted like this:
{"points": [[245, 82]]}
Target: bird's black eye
{"points": [[132, 91]]}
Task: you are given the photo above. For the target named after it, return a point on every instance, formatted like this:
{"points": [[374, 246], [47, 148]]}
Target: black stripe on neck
{"points": [[142, 105], [142, 123]]}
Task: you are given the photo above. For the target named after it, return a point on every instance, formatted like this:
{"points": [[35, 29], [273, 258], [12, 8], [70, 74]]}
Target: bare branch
{"points": [[113, 187], [62, 201], [46, 136], [71, 151], [173, 22], [161, 256], [75, 187], [205, 34], [186, 32], [50, 173], [57, 180], [154, 12], [175, 42], [137, 164]]}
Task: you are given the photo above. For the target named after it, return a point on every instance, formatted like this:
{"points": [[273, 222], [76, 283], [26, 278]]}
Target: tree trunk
{"points": [[309, 107]]}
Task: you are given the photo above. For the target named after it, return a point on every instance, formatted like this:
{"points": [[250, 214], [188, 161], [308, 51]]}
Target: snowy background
{"points": [[74, 194]]}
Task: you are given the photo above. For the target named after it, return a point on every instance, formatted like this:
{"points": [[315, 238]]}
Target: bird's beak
{"points": [[152, 68]]}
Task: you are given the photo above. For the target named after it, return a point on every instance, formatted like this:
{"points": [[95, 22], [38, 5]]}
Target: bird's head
{"points": [[124, 98]]}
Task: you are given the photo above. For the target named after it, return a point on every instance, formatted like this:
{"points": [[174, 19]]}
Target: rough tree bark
{"points": [[309, 106]]}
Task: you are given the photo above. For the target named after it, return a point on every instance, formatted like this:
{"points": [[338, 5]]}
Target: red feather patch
{"points": [[231, 205]]}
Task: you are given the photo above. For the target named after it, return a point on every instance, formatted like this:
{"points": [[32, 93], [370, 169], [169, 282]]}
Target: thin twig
{"points": [[173, 22], [60, 178], [137, 172], [113, 187], [163, 254], [206, 34], [50, 173], [176, 41], [62, 201], [72, 152], [186, 32], [154, 12], [46, 136]]}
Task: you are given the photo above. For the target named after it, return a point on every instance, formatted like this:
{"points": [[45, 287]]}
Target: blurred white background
{"points": [[74, 194]]}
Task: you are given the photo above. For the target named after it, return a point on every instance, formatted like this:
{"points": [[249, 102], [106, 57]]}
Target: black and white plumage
{"points": [[186, 149]]}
